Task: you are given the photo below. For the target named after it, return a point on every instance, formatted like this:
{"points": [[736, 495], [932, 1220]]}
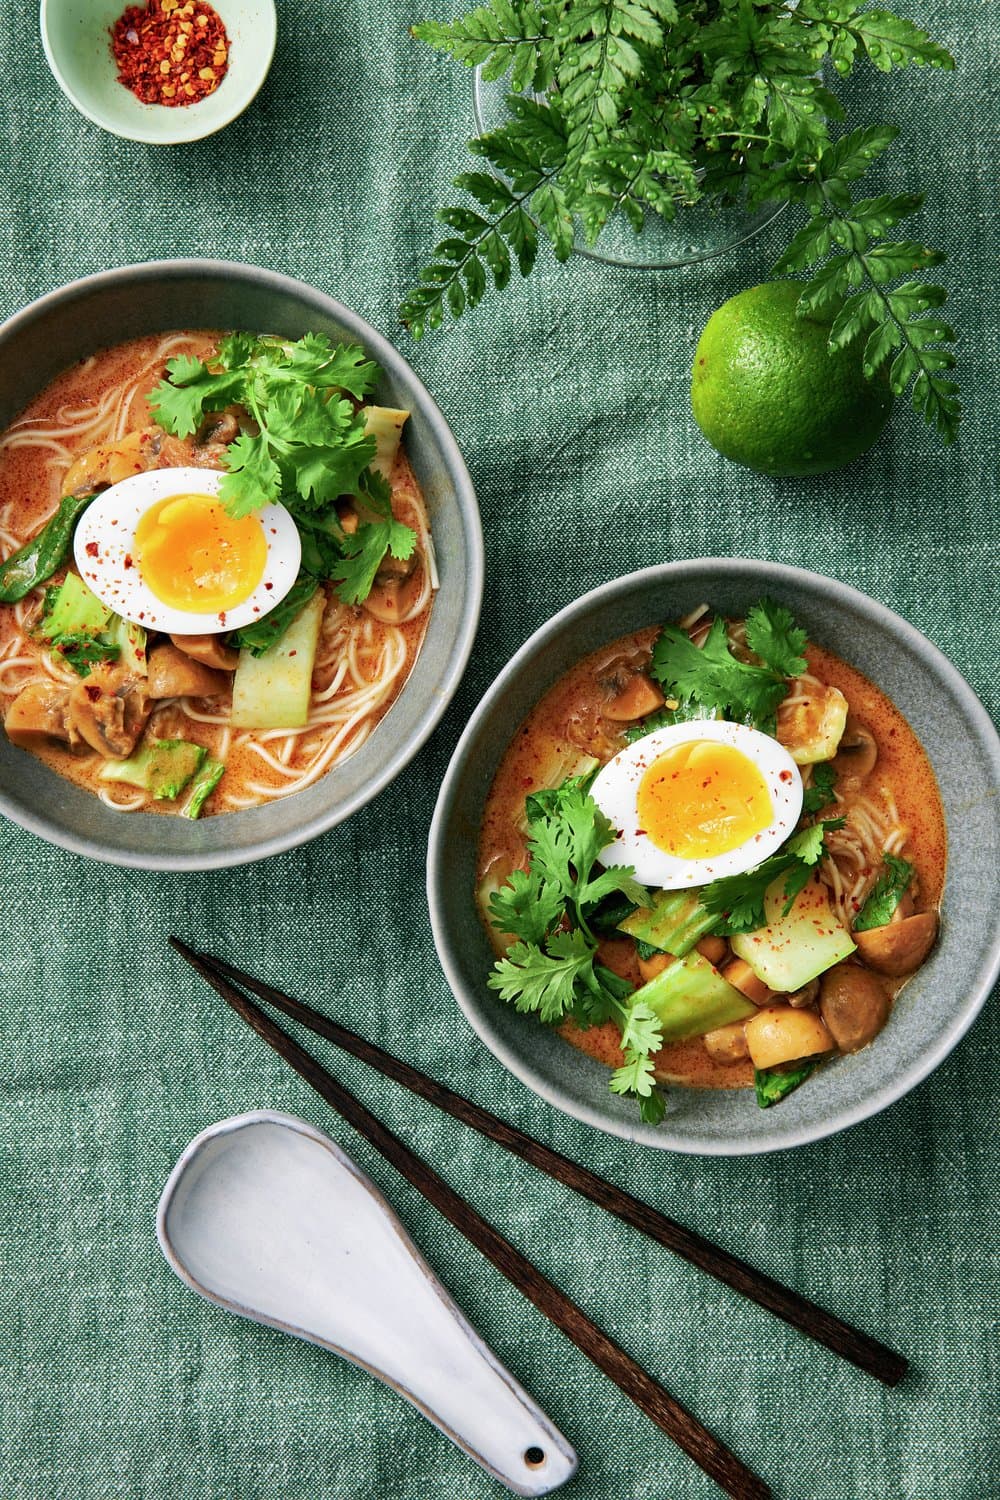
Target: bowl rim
{"points": [[436, 703], [264, 57], [661, 1136]]}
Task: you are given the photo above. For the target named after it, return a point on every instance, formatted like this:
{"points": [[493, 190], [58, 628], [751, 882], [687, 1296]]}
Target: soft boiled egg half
{"points": [[692, 802], [160, 550]]}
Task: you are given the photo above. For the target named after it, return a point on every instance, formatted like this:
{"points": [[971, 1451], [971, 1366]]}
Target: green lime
{"points": [[768, 392]]}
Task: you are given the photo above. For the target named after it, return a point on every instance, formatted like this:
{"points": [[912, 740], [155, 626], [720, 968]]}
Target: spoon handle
{"points": [[711, 1455]]}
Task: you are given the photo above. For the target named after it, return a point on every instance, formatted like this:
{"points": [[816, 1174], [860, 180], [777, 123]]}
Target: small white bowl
{"points": [[76, 35]]}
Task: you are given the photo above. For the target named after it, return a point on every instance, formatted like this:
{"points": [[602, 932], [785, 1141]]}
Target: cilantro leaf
{"points": [[544, 980], [565, 848], [820, 794], [710, 675], [306, 444], [642, 1036], [254, 479], [773, 636], [311, 440], [739, 899], [552, 969], [526, 905], [190, 390], [886, 894]]}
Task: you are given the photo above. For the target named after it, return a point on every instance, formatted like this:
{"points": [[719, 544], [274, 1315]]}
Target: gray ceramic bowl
{"points": [[936, 1007], [68, 324]]}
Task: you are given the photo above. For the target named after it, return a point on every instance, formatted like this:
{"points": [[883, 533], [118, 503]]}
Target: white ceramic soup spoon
{"points": [[267, 1217]]}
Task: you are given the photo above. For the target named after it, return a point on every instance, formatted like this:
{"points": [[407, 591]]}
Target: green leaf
{"points": [[886, 894], [851, 156], [893, 42], [739, 899], [773, 1084], [533, 979], [808, 245], [820, 793], [711, 676], [774, 637], [254, 479], [858, 314], [526, 905]]}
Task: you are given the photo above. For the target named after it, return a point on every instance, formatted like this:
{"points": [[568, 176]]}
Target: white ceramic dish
{"points": [[267, 1217]]}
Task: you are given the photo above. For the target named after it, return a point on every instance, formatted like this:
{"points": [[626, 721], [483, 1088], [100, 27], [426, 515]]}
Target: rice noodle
{"points": [[361, 662], [872, 828]]}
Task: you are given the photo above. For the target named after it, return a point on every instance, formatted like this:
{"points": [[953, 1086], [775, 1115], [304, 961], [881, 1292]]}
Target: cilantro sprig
{"points": [[552, 968], [718, 682], [311, 446]]}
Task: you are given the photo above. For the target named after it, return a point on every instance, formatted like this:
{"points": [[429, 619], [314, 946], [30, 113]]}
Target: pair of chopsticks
{"points": [[734, 1478]]}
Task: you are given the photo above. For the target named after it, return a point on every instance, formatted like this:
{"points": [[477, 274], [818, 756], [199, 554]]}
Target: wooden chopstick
{"points": [[867, 1353], [733, 1477]]}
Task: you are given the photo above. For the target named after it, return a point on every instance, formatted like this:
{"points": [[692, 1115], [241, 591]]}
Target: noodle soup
{"points": [[91, 429], [694, 975]]}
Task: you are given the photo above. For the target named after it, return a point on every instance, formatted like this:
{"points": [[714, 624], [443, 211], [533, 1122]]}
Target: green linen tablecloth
{"points": [[569, 400]]}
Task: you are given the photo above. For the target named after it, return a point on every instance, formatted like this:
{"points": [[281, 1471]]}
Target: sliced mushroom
{"points": [[806, 997], [175, 674], [39, 712], [727, 1044], [898, 947], [639, 696], [109, 710], [778, 1034], [853, 1005], [856, 756], [210, 650], [393, 599], [740, 975], [109, 463], [219, 429]]}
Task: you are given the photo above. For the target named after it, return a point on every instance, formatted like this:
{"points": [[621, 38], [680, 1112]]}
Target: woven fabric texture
{"points": [[568, 397]]}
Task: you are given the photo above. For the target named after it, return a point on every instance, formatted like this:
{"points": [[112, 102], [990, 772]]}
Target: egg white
{"points": [[105, 548], [616, 786]]}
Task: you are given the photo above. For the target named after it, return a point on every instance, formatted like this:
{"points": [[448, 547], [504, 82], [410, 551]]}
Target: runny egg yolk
{"points": [[194, 556], [702, 798]]}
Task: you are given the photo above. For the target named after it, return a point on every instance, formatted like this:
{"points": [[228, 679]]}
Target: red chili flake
{"points": [[92, 549], [784, 775], [171, 52], [127, 560]]}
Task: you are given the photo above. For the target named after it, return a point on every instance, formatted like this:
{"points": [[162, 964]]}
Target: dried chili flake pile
{"points": [[170, 51]]}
